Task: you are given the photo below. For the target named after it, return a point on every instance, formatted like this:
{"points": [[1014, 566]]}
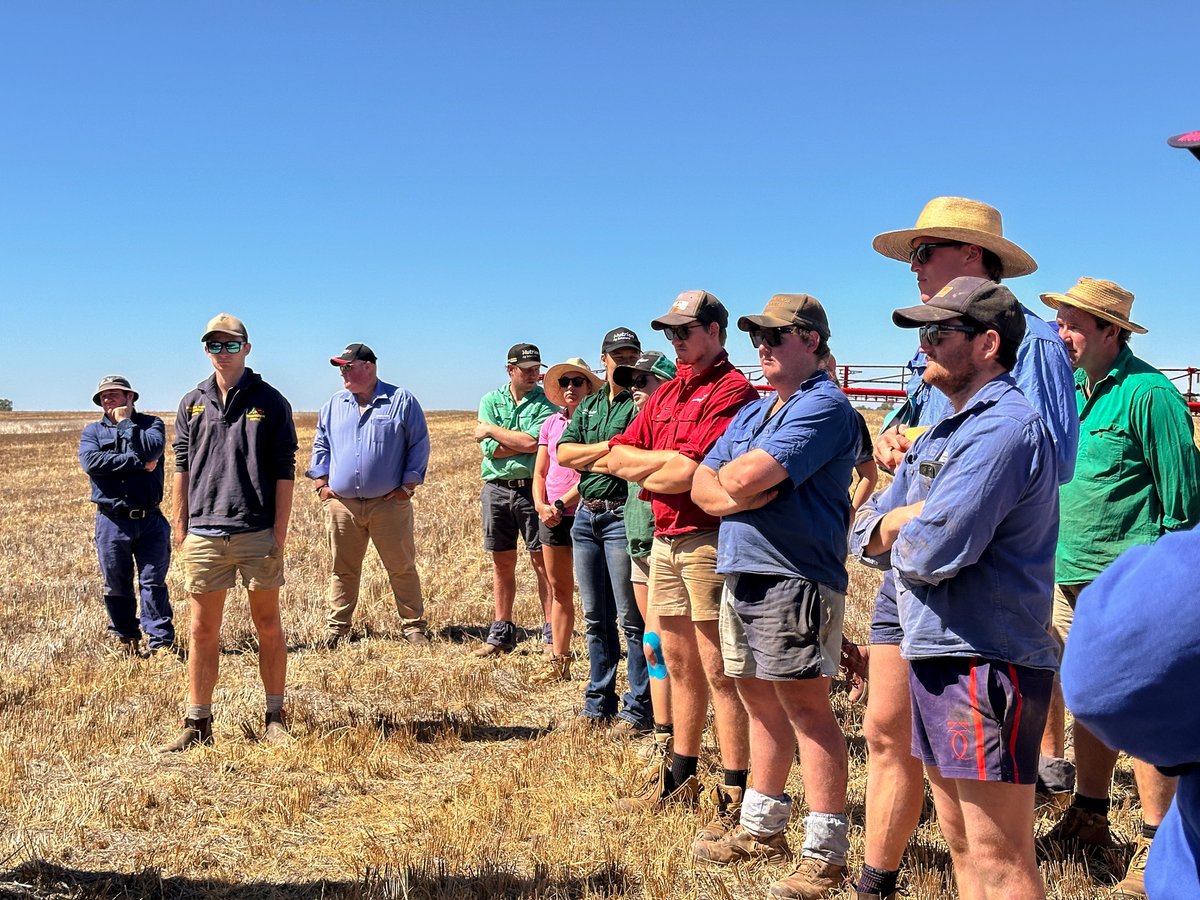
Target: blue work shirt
{"points": [[974, 571], [114, 456], [368, 454], [1043, 373], [802, 532]]}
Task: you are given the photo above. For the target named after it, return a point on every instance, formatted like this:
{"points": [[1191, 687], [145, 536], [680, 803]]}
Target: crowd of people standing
{"points": [[707, 528]]}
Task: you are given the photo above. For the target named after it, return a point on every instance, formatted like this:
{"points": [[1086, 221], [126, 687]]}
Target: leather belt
{"points": [[129, 513], [515, 483], [603, 505]]}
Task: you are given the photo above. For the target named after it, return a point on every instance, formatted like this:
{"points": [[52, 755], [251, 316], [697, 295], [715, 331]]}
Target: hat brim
{"points": [[745, 323], [922, 314], [1014, 261], [1054, 301], [550, 383], [670, 320], [114, 387]]}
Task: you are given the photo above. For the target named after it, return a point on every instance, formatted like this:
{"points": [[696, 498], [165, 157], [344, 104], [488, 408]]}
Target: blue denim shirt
{"points": [[974, 572], [369, 454], [115, 456], [802, 532], [1043, 373]]}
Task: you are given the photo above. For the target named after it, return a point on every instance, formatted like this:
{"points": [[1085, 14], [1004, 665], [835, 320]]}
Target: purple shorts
{"points": [[977, 718]]}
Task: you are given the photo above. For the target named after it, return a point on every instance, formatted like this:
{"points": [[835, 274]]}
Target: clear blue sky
{"points": [[441, 180]]}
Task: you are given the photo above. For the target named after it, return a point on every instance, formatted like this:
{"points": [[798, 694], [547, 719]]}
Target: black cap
{"points": [[353, 353], [524, 356], [991, 305], [620, 337]]}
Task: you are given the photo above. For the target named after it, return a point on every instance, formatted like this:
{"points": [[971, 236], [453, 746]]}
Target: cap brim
{"points": [[916, 316], [1014, 261], [745, 323], [670, 320], [611, 347]]}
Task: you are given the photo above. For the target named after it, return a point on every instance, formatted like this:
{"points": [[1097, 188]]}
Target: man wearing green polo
{"points": [[1137, 477], [510, 418]]}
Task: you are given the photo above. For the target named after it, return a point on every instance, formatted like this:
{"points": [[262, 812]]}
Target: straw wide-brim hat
{"points": [[1105, 299], [575, 364], [959, 219]]}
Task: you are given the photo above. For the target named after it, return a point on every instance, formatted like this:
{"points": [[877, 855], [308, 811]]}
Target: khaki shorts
{"points": [[683, 577], [639, 570], [213, 563], [1065, 597]]}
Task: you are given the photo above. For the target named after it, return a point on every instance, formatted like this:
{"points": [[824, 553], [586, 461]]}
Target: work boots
{"points": [[195, 732], [727, 811], [558, 668], [740, 845]]}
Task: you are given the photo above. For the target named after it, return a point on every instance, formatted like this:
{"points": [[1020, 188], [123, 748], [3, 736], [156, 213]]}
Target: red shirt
{"points": [[687, 414]]}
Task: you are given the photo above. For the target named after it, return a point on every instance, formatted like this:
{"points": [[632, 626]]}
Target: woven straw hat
{"points": [[959, 219], [575, 364], [1105, 299]]}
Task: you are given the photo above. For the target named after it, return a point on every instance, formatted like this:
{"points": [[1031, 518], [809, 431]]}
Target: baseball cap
{"points": [[113, 383], [693, 306], [226, 323], [790, 309], [620, 337], [651, 361], [353, 353], [990, 304], [524, 356]]}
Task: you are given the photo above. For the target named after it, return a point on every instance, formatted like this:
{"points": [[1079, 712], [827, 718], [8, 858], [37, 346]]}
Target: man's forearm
{"points": [[674, 477], [636, 464], [516, 441], [179, 505], [576, 456]]}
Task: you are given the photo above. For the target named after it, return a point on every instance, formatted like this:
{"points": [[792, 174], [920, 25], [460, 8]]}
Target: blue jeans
{"points": [[119, 542], [602, 571]]}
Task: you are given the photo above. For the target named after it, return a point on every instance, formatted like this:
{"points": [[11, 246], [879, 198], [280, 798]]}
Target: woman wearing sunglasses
{"points": [[643, 378], [556, 495]]}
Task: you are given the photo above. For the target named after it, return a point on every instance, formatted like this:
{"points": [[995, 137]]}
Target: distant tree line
{"points": [[5, 405]]}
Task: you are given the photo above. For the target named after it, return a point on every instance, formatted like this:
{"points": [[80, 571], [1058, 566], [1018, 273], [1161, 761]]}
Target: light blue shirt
{"points": [[974, 571], [1043, 373], [371, 453]]}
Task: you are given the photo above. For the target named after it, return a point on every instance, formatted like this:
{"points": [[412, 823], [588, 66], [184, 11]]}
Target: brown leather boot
{"points": [[557, 669], [195, 732]]}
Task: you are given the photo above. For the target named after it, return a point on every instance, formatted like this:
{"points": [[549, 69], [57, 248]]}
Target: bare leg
{"points": [[1155, 790], [543, 584], [504, 583], [561, 575], [772, 741], [733, 725], [1054, 741], [895, 785], [689, 688], [205, 652], [272, 648], [1094, 763], [660, 688], [822, 744], [989, 827]]}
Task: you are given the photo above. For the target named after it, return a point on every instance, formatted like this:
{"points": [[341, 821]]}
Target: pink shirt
{"points": [[559, 479]]}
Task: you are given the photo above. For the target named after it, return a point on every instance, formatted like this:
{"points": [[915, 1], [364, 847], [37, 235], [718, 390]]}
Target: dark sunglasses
{"points": [[347, 368], [920, 253], [640, 381], [681, 332], [772, 336], [932, 334], [572, 381], [215, 347]]}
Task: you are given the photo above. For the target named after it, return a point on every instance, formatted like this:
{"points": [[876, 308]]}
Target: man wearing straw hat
{"points": [[122, 454], [953, 237], [1138, 478], [602, 567]]}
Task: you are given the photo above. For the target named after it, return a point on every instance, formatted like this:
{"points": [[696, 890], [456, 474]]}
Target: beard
{"points": [[950, 383]]}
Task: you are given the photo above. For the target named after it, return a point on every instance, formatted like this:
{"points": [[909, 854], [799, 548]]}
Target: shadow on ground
{"points": [[45, 881]]}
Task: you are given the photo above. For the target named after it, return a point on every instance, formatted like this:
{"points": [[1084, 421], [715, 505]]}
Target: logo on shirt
{"points": [[195, 410], [256, 415]]}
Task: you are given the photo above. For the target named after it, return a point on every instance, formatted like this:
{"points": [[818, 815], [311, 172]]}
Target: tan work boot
{"points": [[655, 746], [557, 669], [1079, 830], [653, 793], [812, 879], [1133, 885], [740, 845], [727, 811], [195, 732], [276, 733]]}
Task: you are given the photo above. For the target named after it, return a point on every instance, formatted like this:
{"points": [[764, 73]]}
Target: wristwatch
{"points": [[559, 505]]}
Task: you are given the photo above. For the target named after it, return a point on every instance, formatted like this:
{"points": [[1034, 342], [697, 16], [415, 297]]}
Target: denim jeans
{"points": [[119, 542], [602, 571]]}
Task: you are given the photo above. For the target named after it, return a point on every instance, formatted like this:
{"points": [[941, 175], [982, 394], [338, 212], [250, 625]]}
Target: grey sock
{"points": [[198, 711], [274, 703]]}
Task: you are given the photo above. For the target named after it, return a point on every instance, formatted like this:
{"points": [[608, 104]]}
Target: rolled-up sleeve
{"points": [[1164, 427]]}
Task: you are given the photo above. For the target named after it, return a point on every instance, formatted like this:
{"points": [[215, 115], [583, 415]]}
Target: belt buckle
{"points": [[138, 513]]}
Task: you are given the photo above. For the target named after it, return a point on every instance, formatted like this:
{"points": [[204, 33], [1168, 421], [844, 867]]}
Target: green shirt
{"points": [[639, 523], [499, 408], [596, 420], [1138, 472]]}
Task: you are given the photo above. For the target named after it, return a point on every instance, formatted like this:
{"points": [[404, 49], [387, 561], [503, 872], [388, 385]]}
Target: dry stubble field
{"points": [[414, 773]]}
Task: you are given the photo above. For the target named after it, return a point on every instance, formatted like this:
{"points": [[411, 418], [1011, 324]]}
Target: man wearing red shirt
{"points": [[661, 450]]}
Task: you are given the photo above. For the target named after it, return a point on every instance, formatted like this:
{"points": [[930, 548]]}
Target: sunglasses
{"points": [[920, 253], [215, 347], [681, 332], [572, 381], [932, 334], [347, 368], [772, 336], [640, 381]]}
